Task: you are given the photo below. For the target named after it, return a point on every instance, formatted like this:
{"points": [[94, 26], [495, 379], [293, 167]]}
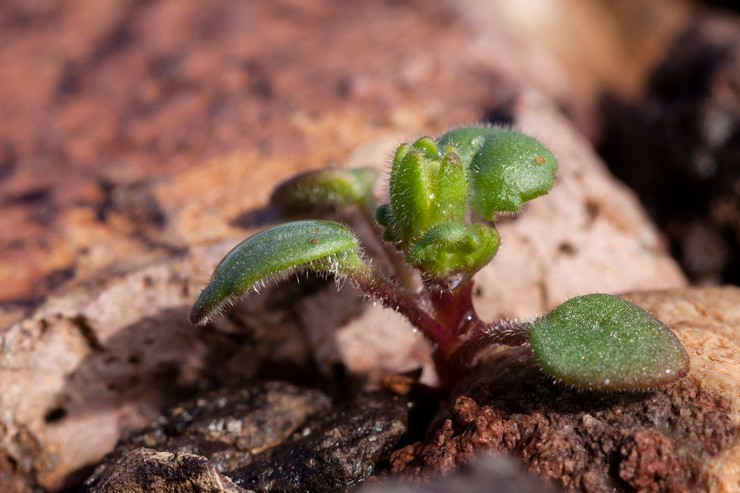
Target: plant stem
{"points": [[401, 269], [379, 287], [453, 325], [453, 309], [482, 337]]}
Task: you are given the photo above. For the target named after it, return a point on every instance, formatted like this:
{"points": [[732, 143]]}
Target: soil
{"points": [[595, 443], [275, 436]]}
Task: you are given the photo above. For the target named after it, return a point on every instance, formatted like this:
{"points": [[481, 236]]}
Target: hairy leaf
{"points": [[602, 342], [507, 168], [427, 188], [449, 190], [324, 246], [410, 189], [452, 248]]}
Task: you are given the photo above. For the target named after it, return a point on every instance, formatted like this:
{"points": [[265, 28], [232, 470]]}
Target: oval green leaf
{"points": [[601, 342], [323, 246], [507, 168]]}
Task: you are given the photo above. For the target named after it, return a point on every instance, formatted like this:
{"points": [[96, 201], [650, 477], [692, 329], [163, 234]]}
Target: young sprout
{"points": [[438, 226]]}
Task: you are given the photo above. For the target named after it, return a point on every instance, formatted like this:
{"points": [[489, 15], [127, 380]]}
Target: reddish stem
{"points": [[409, 305], [465, 355], [453, 308], [447, 318]]}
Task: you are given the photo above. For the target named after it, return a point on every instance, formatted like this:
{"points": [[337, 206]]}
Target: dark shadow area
{"points": [[257, 218], [500, 114], [516, 385], [155, 362], [679, 149]]}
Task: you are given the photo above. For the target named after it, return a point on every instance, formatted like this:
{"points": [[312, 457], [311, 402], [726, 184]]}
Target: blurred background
{"points": [[131, 130], [140, 139]]}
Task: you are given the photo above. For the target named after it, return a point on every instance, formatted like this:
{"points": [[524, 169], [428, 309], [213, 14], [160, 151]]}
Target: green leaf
{"points": [[410, 189], [427, 188], [452, 248], [326, 189], [507, 168], [602, 342], [449, 190], [323, 246]]}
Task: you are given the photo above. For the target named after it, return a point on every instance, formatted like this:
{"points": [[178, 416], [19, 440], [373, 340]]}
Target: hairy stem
{"points": [[453, 308], [481, 336], [379, 287], [402, 271]]}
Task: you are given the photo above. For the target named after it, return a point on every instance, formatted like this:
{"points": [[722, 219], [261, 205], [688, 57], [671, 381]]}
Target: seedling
{"points": [[435, 233]]}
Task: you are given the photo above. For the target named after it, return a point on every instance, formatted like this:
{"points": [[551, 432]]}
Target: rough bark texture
{"points": [[271, 437], [128, 127]]}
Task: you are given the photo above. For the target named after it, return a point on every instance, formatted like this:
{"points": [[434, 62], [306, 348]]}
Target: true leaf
{"points": [[602, 342], [507, 168], [323, 246], [410, 189], [449, 190], [451, 248]]}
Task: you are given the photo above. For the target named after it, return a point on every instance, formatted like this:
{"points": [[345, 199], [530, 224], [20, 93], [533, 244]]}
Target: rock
{"points": [[490, 472], [271, 437], [683, 437], [107, 358], [336, 451], [148, 471], [68, 170], [230, 427]]}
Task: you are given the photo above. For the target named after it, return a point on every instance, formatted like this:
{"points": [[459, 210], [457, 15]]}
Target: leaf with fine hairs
{"points": [[506, 168], [322, 246], [601, 342], [326, 189]]}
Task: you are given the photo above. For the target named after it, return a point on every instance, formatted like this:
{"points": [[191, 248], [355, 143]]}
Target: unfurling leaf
{"points": [[323, 246], [451, 248], [602, 342], [410, 189]]}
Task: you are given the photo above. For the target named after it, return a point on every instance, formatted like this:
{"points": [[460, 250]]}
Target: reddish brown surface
{"points": [[594, 443], [97, 95]]}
